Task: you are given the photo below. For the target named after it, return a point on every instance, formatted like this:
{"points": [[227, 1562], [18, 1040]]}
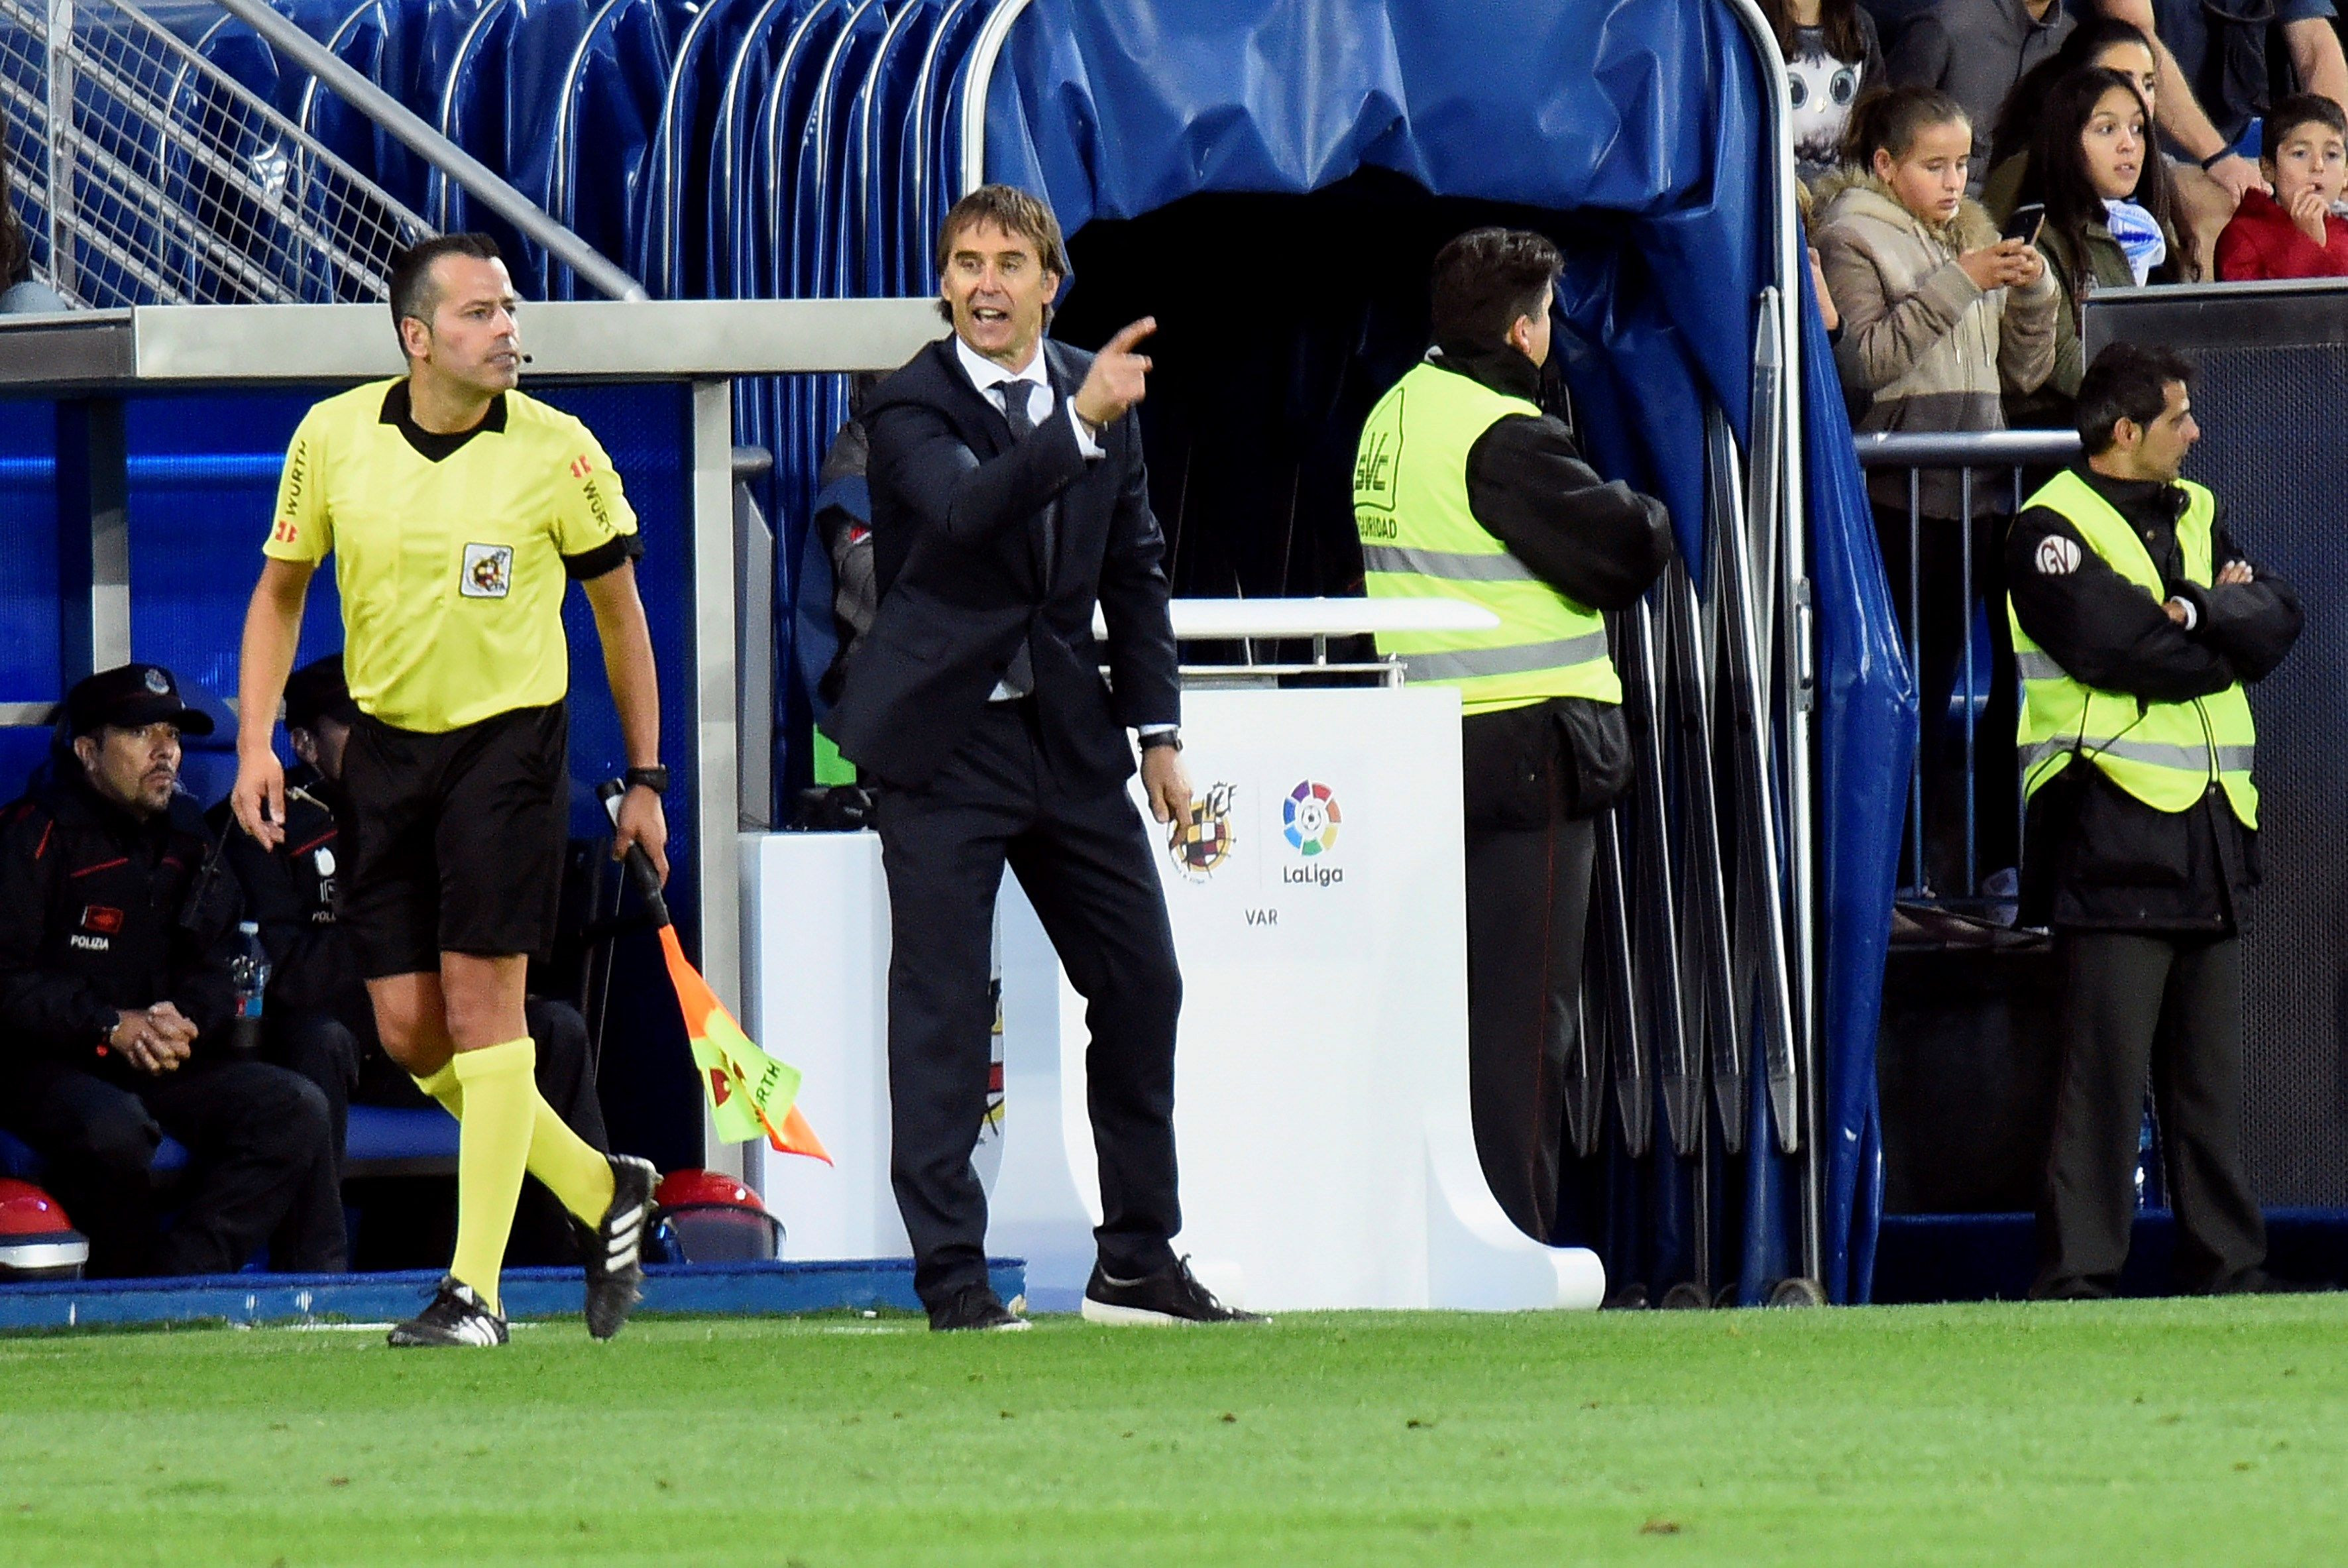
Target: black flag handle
{"points": [[640, 865]]}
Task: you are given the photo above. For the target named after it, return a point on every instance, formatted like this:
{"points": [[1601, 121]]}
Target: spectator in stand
{"points": [[2100, 41], [1940, 316], [2112, 219], [2214, 77], [20, 291], [1975, 51], [2296, 233], [1805, 204], [1832, 60], [2215, 71]]}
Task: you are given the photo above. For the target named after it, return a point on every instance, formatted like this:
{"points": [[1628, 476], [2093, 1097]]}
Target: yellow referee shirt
{"points": [[451, 553]]}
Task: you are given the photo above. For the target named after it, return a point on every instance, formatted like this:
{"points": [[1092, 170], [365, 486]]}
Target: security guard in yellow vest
{"points": [[1465, 488], [2137, 624]]}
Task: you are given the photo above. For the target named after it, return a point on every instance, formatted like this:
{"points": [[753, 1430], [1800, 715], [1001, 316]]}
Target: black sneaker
{"points": [[455, 1317], [1170, 1296], [614, 1250], [977, 1307]]}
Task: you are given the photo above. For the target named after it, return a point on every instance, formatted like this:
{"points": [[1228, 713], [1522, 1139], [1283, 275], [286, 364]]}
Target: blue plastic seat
{"points": [[399, 1141], [17, 1158]]}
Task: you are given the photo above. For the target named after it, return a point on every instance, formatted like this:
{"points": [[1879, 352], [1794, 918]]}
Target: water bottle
{"points": [[248, 970]]}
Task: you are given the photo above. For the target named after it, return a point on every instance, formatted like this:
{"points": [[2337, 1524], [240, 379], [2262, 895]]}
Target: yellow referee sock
{"points": [[573, 1170], [492, 1150]]}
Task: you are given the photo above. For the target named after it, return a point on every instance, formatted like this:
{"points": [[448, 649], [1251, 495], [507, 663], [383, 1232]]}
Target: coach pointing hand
{"points": [[1005, 506], [1119, 377]]}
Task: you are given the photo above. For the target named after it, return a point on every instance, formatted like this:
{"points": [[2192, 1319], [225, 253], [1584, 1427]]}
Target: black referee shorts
{"points": [[458, 840]]}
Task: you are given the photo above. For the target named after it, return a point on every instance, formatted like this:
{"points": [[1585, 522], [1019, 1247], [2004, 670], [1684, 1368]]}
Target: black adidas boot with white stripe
{"points": [[614, 1250], [454, 1317]]}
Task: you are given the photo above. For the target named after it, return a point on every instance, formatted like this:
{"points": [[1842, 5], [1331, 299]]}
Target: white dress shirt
{"points": [[986, 376]]}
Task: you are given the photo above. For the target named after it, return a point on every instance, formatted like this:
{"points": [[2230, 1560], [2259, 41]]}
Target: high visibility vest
{"points": [[1421, 541], [2164, 754]]}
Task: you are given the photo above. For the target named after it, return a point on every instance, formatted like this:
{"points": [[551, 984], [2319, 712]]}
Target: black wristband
{"points": [[1166, 737], [654, 779], [2216, 157]]}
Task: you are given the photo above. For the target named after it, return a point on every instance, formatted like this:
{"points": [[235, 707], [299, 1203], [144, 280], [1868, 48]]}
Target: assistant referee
{"points": [[457, 511]]}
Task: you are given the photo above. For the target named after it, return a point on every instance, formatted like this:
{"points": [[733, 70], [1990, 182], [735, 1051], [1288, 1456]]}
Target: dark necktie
{"points": [[1019, 678]]}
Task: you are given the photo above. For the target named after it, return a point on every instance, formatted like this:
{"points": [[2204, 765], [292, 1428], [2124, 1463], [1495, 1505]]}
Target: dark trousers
{"points": [[2170, 1006], [348, 1066], [1528, 912], [1083, 857], [261, 1166], [1944, 626]]}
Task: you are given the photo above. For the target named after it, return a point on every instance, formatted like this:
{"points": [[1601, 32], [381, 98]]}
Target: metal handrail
{"points": [[458, 165], [1967, 448]]}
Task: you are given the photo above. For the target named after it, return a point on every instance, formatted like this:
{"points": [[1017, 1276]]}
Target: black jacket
{"points": [[1598, 544], [96, 917], [2096, 857], [958, 550], [290, 893]]}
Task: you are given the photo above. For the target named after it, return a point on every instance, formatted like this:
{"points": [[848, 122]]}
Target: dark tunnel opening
{"points": [[1282, 320]]}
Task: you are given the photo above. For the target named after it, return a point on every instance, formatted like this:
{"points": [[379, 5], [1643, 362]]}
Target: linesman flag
{"points": [[750, 1093]]}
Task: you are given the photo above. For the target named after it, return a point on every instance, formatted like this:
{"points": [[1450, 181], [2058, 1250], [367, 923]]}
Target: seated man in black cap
{"points": [[316, 1017], [116, 931]]}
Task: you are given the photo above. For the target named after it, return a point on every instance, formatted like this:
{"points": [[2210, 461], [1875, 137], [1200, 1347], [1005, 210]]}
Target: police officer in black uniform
{"points": [[116, 929], [317, 1019]]}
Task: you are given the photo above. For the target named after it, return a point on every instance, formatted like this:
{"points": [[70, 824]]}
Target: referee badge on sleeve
{"points": [[489, 572]]}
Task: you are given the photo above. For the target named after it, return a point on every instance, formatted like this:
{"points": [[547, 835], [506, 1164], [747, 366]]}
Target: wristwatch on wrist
{"points": [[1169, 737], [654, 779]]}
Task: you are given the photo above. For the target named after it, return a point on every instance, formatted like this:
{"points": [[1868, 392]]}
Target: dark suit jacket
{"points": [[958, 548]]}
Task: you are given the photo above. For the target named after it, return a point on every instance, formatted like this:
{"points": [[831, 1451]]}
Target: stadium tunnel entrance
{"points": [[1280, 221], [1281, 321]]}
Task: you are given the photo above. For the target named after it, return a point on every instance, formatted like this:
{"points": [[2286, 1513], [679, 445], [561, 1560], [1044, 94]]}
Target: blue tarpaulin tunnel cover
{"points": [[1645, 117]]}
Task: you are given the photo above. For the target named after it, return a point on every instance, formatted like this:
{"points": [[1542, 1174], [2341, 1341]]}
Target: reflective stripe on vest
{"points": [[2164, 754], [1420, 540], [1510, 661]]}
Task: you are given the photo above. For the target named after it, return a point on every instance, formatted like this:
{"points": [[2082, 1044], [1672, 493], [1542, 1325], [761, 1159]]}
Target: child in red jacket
{"points": [[2294, 233]]}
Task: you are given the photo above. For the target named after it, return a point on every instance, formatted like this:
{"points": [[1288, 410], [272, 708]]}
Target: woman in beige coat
{"points": [[1941, 318]]}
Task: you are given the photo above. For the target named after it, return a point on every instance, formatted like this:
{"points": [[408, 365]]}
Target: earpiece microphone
{"points": [[529, 359]]}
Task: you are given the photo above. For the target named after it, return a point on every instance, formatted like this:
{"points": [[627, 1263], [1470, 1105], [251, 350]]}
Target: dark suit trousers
{"points": [[1083, 857], [2170, 1005]]}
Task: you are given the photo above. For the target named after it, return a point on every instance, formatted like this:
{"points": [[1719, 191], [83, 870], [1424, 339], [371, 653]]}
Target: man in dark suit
{"points": [[1008, 498]]}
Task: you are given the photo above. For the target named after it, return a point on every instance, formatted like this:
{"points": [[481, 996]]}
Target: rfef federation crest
{"points": [[488, 572], [1201, 840]]}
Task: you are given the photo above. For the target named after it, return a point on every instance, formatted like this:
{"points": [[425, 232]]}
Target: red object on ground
{"points": [[708, 1216], [37, 1241], [679, 1188]]}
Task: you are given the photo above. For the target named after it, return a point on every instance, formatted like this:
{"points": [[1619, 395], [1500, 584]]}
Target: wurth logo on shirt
{"points": [[580, 466]]}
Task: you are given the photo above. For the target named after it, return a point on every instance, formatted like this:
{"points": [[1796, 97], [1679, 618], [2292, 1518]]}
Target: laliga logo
{"points": [[1310, 817], [1201, 838]]}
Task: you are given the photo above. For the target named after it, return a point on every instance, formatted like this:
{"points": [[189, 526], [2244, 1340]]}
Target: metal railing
{"points": [[1998, 459], [146, 173]]}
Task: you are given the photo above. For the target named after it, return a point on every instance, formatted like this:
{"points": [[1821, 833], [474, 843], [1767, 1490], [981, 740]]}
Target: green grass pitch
{"points": [[2121, 1433]]}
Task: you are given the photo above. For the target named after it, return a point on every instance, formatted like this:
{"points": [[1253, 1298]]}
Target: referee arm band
{"points": [[608, 556]]}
